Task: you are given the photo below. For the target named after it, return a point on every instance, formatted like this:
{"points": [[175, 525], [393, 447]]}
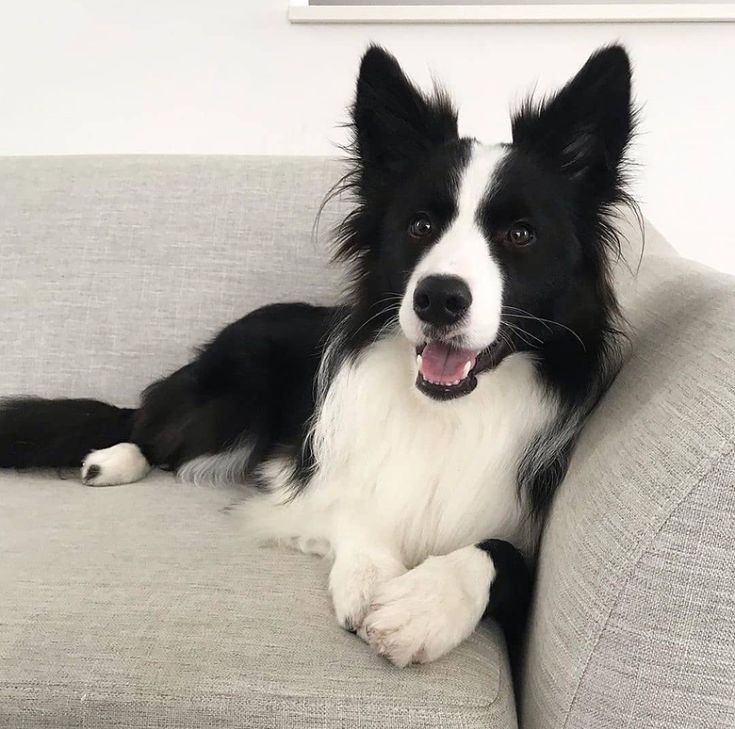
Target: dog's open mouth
{"points": [[447, 372]]}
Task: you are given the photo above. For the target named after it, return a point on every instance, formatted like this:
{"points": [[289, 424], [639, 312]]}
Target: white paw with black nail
{"points": [[423, 614], [119, 464], [353, 581]]}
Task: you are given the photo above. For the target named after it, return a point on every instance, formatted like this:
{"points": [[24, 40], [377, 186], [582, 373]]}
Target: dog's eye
{"points": [[420, 226], [520, 234]]}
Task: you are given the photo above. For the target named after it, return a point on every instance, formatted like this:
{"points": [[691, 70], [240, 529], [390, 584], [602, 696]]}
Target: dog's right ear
{"points": [[394, 122], [584, 129]]}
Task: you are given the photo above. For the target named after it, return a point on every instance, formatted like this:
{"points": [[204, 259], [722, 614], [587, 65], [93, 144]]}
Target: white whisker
{"points": [[521, 332], [545, 322]]}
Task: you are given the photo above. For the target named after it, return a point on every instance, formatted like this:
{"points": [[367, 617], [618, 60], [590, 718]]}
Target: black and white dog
{"points": [[416, 434]]}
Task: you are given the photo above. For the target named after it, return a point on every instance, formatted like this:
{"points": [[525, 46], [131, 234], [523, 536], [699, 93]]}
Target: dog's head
{"points": [[482, 250]]}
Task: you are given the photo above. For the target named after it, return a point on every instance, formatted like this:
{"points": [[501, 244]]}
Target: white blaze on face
{"points": [[464, 251]]}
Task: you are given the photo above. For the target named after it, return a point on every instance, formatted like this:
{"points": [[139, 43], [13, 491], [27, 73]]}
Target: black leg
{"points": [[510, 592]]}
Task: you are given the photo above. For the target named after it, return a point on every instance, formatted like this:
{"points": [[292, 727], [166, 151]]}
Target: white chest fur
{"points": [[427, 477]]}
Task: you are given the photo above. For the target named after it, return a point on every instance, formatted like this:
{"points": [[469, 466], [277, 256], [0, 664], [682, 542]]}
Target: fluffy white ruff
{"points": [[423, 614], [119, 464], [422, 477]]}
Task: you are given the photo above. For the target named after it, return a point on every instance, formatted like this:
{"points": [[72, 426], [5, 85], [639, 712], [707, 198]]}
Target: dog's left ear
{"points": [[395, 123], [583, 130]]}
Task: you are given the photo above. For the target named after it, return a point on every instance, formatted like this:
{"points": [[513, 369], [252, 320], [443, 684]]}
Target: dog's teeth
{"points": [[418, 360], [467, 369]]}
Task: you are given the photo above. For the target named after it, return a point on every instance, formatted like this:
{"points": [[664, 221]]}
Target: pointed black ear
{"points": [[394, 122], [583, 129]]}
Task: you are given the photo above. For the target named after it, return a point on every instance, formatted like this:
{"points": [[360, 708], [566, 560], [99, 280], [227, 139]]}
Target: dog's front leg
{"points": [[361, 565], [424, 613]]}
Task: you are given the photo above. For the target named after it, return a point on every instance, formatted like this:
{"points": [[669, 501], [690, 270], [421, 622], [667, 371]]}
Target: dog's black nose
{"points": [[441, 300]]}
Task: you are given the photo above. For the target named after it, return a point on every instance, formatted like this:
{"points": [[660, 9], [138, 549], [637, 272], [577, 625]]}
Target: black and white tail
{"points": [[38, 433]]}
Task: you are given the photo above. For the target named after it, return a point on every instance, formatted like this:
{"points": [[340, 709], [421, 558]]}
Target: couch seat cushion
{"points": [[145, 606]]}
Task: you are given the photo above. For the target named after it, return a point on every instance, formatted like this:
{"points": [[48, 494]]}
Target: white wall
{"points": [[233, 76]]}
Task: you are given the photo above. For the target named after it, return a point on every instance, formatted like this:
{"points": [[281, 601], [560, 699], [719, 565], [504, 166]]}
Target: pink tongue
{"points": [[440, 363]]}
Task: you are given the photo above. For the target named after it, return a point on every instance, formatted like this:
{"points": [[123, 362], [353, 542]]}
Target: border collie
{"points": [[417, 433]]}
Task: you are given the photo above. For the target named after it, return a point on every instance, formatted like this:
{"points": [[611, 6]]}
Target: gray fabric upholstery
{"points": [[143, 606], [113, 270], [669, 641], [634, 622]]}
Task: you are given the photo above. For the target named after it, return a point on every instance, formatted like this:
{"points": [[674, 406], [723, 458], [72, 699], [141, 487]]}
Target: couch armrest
{"points": [[634, 617]]}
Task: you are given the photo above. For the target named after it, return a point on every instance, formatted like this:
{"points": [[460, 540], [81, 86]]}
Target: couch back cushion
{"points": [[115, 268]]}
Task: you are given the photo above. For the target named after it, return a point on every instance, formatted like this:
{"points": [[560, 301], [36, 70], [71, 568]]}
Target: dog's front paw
{"points": [[352, 584], [423, 614]]}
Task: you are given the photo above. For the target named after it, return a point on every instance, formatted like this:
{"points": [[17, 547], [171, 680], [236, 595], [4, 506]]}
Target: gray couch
{"points": [[142, 606]]}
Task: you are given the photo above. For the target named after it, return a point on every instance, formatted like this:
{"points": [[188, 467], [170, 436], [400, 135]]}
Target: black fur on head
{"points": [[580, 135], [584, 129], [396, 129], [564, 171], [395, 125]]}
